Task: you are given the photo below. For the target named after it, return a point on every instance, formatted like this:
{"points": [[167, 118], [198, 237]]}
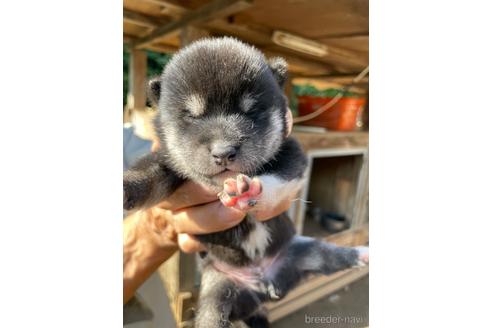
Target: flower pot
{"points": [[342, 116]]}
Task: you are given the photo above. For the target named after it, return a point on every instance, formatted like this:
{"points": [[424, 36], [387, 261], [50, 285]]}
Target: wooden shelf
{"points": [[332, 140], [313, 290]]}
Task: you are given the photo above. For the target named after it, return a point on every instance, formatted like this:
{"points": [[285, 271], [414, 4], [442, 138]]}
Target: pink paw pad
{"points": [[241, 193], [363, 255]]}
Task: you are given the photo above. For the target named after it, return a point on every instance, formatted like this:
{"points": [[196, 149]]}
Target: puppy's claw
{"points": [[242, 183], [272, 292], [252, 202]]}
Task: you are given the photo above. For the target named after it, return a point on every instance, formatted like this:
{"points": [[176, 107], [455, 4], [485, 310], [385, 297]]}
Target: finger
{"points": [[211, 217], [188, 195], [189, 244], [230, 187], [155, 145], [255, 188], [226, 199]]}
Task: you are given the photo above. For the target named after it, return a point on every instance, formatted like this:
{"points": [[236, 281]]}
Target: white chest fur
{"points": [[257, 241]]}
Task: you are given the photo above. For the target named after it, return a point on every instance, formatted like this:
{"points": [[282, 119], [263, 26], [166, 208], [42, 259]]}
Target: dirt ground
{"points": [[347, 308]]}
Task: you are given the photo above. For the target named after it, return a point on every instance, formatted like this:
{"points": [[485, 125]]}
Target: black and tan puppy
{"points": [[222, 110]]}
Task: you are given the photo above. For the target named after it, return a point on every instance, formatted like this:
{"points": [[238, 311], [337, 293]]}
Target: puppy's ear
{"points": [[278, 66], [154, 90]]}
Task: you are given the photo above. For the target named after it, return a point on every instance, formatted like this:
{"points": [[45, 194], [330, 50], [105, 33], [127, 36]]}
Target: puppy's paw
{"points": [[128, 201], [133, 196], [363, 258], [241, 193]]}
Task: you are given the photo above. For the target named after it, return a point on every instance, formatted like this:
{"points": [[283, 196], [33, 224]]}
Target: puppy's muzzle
{"points": [[224, 153]]}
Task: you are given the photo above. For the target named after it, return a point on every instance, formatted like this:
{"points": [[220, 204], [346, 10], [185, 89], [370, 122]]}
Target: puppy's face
{"points": [[221, 108]]}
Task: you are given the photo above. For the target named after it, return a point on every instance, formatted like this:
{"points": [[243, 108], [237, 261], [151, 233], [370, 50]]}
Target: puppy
{"points": [[222, 110]]}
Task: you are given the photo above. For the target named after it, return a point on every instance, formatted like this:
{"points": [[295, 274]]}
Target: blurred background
{"points": [[326, 44]]}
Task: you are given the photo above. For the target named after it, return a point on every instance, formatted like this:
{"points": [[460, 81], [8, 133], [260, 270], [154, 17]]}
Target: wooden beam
{"points": [[263, 38], [127, 38], [137, 96], [191, 33], [247, 33], [163, 48], [141, 19], [170, 8], [335, 56], [217, 8], [298, 65]]}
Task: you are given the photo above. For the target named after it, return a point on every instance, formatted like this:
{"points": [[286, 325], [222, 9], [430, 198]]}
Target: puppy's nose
{"points": [[223, 153]]}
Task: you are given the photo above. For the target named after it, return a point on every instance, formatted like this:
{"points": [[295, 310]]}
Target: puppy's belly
{"points": [[253, 276]]}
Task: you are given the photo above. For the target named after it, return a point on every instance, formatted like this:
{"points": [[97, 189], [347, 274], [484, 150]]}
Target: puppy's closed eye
{"points": [[247, 103]]}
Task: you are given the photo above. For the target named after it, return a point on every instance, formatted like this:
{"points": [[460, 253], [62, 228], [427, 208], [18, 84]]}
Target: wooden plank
{"points": [[127, 38], [332, 140], [169, 273], [361, 214], [298, 65], [169, 8], [192, 33], [263, 38], [256, 35], [134, 29], [342, 59], [314, 290], [313, 19], [164, 48], [141, 19], [352, 42], [334, 56], [353, 237], [215, 9]]}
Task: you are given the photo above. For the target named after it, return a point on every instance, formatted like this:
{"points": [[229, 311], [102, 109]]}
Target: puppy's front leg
{"points": [[148, 182]]}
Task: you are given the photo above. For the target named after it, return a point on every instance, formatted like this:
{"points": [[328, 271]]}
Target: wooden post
{"points": [[138, 80]]}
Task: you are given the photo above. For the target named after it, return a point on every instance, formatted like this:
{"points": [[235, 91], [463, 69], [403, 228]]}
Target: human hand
{"points": [[192, 209], [153, 235]]}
